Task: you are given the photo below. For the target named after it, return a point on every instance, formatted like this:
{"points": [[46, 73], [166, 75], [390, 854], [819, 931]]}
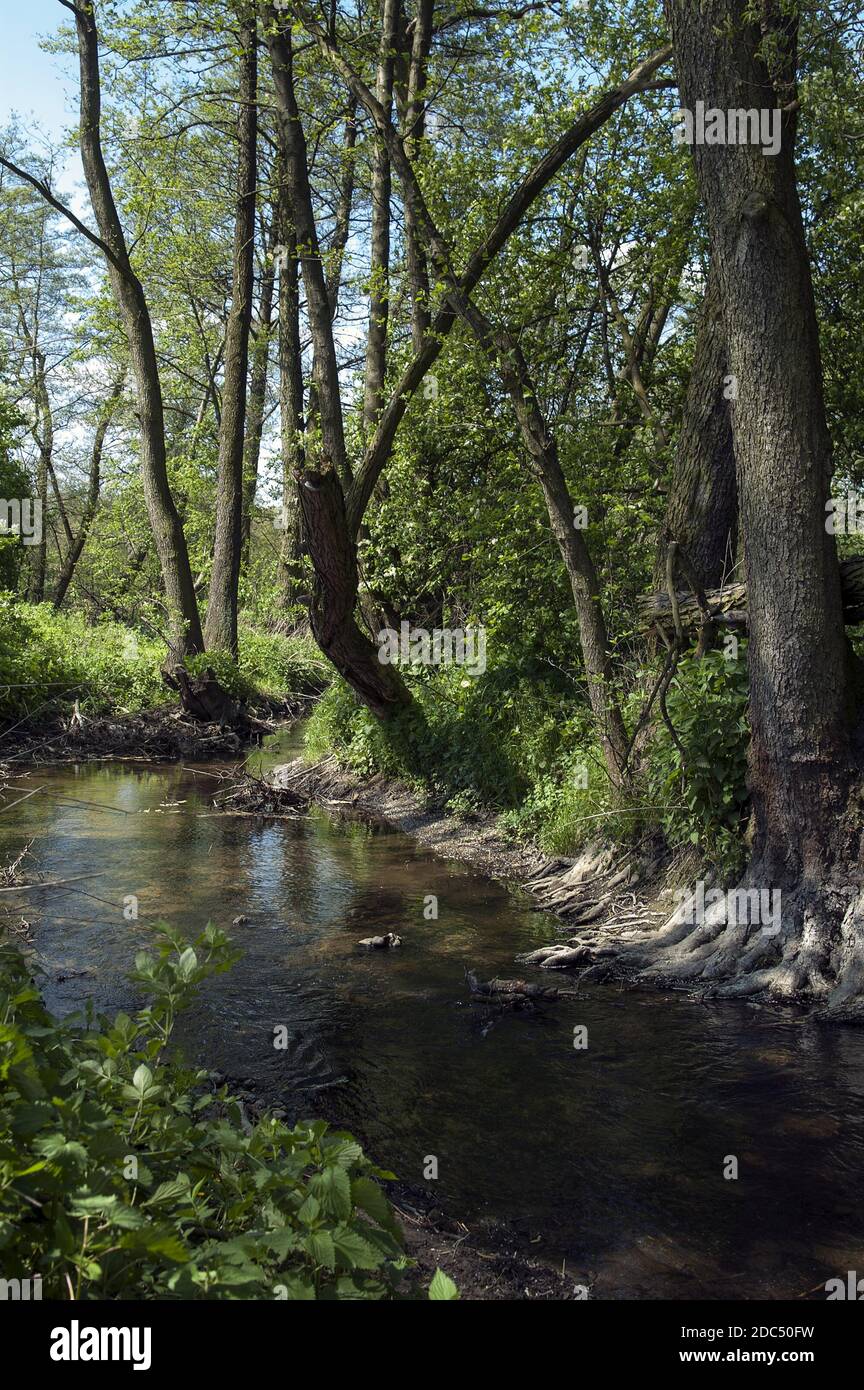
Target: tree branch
{"points": [[45, 192]]}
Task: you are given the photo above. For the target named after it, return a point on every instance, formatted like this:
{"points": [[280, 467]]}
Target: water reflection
{"points": [[613, 1156]]}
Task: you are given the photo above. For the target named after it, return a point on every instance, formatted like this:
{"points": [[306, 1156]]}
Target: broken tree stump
{"points": [[202, 697]]}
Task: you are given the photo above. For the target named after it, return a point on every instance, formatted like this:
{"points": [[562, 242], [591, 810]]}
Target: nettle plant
{"points": [[706, 793], [126, 1174]]}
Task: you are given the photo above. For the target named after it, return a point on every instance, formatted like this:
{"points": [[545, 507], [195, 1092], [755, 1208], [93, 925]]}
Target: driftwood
{"points": [[728, 606]]}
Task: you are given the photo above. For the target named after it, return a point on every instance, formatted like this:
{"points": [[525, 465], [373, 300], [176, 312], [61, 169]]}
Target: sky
{"points": [[34, 83]]}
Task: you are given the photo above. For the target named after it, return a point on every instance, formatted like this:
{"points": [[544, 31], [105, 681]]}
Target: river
{"points": [[609, 1159]]}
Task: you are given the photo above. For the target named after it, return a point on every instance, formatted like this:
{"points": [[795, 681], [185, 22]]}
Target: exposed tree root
{"points": [[814, 955]]}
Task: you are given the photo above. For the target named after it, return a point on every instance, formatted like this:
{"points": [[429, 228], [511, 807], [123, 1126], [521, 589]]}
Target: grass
{"points": [[50, 659]]}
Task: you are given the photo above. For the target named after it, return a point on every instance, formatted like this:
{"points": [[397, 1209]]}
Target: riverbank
{"points": [[164, 734]]}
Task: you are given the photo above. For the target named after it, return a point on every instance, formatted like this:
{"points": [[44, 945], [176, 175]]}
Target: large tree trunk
{"points": [[290, 399], [702, 508], [334, 597], [258, 392], [807, 826], [45, 443], [379, 270], [185, 635], [294, 154], [220, 630], [798, 693], [413, 121]]}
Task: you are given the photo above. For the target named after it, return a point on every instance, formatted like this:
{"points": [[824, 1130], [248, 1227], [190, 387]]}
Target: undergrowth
{"points": [[49, 659], [521, 744]]}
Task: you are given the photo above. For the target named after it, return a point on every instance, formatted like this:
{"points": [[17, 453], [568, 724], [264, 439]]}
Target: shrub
{"points": [[123, 1173], [707, 792]]}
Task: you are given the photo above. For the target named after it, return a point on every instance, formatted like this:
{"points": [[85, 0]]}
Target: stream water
{"points": [[609, 1158]]}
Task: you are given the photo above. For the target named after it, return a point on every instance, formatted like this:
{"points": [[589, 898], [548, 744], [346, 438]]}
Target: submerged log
{"points": [[519, 989], [729, 605]]}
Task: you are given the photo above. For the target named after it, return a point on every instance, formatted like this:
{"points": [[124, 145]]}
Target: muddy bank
{"points": [[158, 735]]}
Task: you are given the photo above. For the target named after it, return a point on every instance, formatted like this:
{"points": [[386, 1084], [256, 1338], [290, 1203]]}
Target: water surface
{"points": [[609, 1160]]}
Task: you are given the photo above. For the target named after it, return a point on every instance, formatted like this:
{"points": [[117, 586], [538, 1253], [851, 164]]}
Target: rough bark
{"points": [[257, 400], [185, 635], [804, 767], [413, 121], [43, 432], [342, 227], [379, 269], [290, 399], [799, 692], [702, 508], [334, 597], [220, 629], [293, 150]]}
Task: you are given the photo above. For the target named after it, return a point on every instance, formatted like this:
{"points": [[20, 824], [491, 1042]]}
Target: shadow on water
{"points": [[611, 1158]]}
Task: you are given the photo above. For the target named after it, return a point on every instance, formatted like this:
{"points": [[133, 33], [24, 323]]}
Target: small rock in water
{"points": [[240, 921], [381, 943]]}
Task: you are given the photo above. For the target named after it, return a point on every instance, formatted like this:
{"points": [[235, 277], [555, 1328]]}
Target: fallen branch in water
{"points": [[511, 989], [57, 883]]}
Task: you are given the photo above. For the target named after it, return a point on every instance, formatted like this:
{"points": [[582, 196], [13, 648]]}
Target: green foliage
{"points": [[522, 742], [126, 1174], [706, 793], [49, 658], [484, 737]]}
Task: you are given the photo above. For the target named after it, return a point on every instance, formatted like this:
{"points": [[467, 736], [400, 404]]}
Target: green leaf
{"points": [[367, 1195], [354, 1251], [442, 1286], [321, 1247]]}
